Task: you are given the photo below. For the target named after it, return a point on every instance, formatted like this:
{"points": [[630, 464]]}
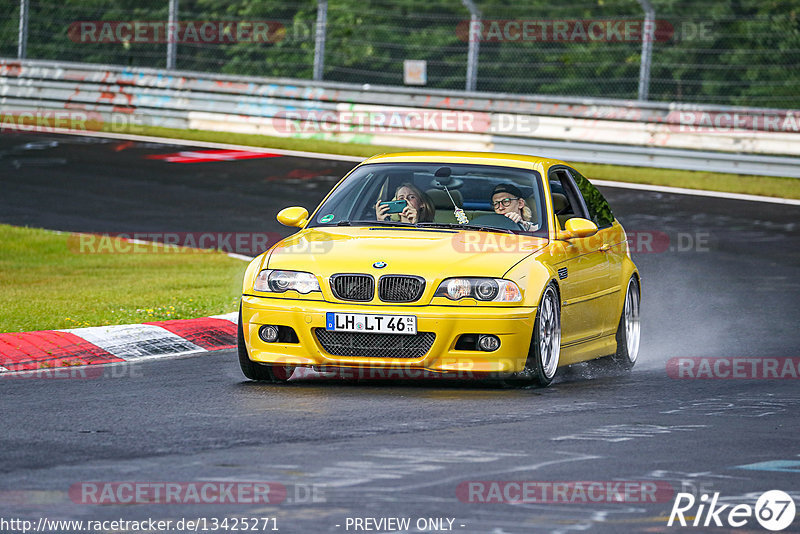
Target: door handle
{"points": [[605, 247]]}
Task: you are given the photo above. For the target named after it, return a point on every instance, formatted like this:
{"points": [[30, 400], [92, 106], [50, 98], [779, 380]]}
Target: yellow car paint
{"points": [[591, 298]]}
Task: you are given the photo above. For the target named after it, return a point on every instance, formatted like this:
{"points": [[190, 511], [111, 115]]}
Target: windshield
{"points": [[446, 195]]}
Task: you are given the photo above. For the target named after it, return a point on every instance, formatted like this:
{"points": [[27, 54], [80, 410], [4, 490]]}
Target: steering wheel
{"points": [[495, 220]]}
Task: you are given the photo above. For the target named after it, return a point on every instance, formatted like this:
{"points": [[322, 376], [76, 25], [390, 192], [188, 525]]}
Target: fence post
{"points": [[172, 34], [319, 45], [474, 45], [22, 41], [648, 35]]}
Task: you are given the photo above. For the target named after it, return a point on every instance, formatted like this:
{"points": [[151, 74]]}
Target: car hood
{"points": [[431, 253]]}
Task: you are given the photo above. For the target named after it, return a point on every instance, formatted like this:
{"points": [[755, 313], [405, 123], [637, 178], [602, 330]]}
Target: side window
{"points": [[566, 200], [599, 210]]}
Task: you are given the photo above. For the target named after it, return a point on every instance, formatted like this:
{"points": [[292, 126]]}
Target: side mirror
{"points": [[578, 227], [294, 216]]}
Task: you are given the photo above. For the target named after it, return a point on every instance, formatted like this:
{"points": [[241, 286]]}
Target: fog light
{"points": [[488, 343], [268, 333]]}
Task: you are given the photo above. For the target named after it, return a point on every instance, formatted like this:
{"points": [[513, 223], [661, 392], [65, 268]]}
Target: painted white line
{"points": [[136, 342], [232, 317], [240, 256], [697, 192], [356, 159]]}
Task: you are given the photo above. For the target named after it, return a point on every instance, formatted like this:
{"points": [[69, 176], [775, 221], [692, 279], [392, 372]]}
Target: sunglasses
{"points": [[505, 202]]}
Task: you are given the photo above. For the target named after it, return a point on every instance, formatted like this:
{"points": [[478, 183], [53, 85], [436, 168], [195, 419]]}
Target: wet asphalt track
{"points": [[729, 287]]}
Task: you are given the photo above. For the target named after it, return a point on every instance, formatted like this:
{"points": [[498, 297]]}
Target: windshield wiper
{"points": [[465, 227], [377, 223]]}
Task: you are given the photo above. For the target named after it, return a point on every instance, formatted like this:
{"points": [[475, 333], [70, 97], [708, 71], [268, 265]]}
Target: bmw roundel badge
{"points": [[379, 264]]}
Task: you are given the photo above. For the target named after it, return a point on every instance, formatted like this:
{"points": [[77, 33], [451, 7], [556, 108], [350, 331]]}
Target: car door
{"points": [[611, 240], [584, 271]]}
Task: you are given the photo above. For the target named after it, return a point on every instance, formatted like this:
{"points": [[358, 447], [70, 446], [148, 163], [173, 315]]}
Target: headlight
{"points": [[281, 281], [483, 289]]}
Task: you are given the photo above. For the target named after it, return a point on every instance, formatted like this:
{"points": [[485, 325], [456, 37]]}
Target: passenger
{"points": [[507, 200], [419, 206]]}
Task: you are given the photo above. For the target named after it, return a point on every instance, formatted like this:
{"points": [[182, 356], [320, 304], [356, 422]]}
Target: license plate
{"points": [[374, 324]]}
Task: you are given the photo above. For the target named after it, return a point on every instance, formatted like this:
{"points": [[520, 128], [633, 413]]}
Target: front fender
{"points": [[253, 268], [532, 277]]}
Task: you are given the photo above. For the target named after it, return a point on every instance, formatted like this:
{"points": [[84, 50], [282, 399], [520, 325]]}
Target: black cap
{"points": [[507, 188]]}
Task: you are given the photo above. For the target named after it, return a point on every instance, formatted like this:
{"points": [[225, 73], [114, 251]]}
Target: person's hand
{"points": [[410, 214], [516, 217], [380, 211]]}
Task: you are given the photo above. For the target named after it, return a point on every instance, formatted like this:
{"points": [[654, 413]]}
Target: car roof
{"points": [[474, 158]]}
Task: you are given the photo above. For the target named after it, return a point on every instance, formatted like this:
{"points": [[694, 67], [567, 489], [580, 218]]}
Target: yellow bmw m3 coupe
{"points": [[445, 264]]}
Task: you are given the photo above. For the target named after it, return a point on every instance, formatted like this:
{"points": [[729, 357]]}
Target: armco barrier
{"points": [[742, 140]]}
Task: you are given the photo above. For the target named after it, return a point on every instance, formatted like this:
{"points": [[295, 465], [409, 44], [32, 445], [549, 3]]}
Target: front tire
{"points": [[545, 350], [546, 346], [258, 371]]}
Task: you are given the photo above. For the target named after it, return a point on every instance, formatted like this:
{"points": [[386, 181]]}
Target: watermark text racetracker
{"points": [[149, 525], [734, 368], [565, 30], [72, 370], [251, 243], [564, 492], [635, 241], [209, 492], [52, 120], [402, 120], [187, 31], [724, 122]]}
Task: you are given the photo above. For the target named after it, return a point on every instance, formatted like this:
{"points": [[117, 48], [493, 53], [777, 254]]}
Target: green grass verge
{"points": [[731, 183], [768, 186], [48, 284], [264, 141]]}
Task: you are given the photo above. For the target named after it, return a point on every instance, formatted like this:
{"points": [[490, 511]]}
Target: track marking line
{"points": [[697, 192], [240, 256]]}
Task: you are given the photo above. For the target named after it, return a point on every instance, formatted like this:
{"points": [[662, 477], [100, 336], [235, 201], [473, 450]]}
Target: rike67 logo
{"points": [[774, 510]]}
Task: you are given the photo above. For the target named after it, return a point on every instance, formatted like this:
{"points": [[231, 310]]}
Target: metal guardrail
{"points": [[589, 130]]}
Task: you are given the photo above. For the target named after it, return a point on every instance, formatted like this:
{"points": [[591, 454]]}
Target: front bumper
{"points": [[512, 325]]}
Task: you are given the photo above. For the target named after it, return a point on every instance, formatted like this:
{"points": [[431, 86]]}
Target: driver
{"points": [[507, 200], [419, 206]]}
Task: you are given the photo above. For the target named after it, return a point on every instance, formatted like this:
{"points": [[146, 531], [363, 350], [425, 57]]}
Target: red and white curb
{"points": [[44, 349]]}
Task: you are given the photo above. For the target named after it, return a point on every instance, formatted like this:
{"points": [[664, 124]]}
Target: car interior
{"points": [[468, 192], [560, 192]]}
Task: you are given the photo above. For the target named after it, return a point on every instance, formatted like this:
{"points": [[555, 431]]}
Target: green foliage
{"points": [[744, 52], [48, 283]]}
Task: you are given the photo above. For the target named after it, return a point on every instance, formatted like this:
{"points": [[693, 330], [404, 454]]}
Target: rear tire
{"points": [[258, 371], [628, 329]]}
